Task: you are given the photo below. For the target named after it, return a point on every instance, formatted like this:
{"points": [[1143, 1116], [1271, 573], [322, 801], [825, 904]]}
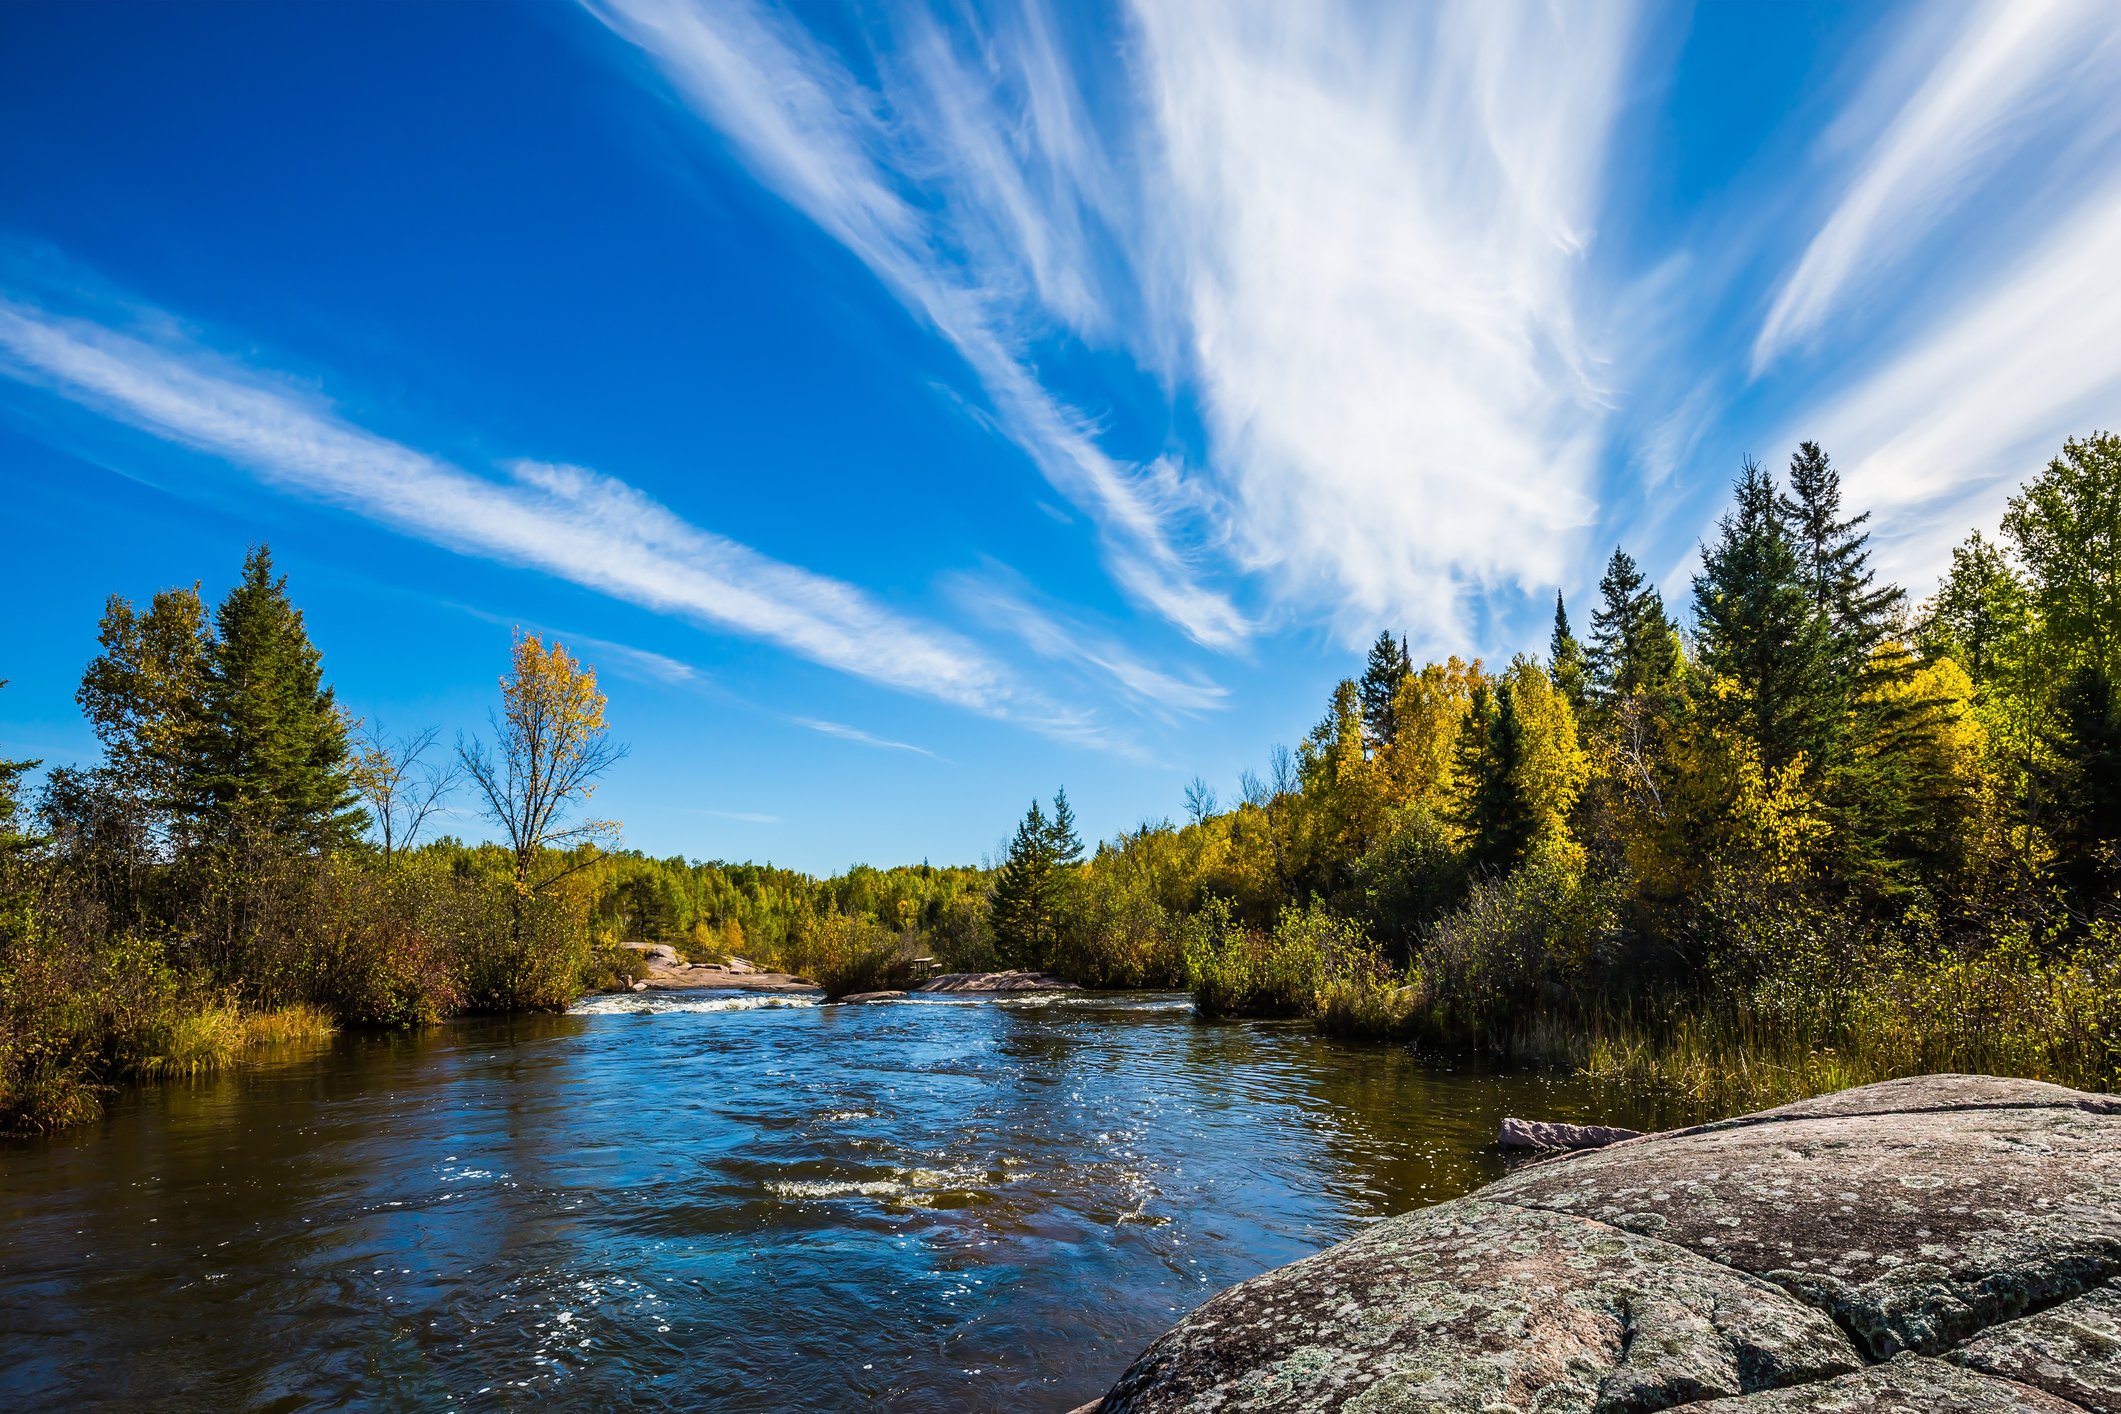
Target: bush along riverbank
{"points": [[236, 874], [1817, 837]]}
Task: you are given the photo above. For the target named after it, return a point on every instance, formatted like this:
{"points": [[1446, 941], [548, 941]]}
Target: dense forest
{"points": [[1805, 833]]}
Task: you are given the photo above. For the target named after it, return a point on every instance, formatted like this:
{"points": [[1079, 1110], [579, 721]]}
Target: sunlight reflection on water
{"points": [[728, 1202]]}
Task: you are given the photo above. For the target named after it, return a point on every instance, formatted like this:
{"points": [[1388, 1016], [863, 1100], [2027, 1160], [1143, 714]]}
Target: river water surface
{"points": [[738, 1205]]}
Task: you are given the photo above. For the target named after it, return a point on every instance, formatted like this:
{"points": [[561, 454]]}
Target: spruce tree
{"points": [[1386, 668], [1566, 663], [1762, 630], [269, 755], [2086, 789], [1064, 848], [1835, 554], [1634, 647], [1030, 887], [1491, 808]]}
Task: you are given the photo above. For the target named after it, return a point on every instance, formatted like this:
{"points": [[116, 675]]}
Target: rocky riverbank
{"points": [[1945, 1244], [667, 972]]}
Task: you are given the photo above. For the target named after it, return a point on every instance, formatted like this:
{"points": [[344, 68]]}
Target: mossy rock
{"points": [[1809, 1258]]}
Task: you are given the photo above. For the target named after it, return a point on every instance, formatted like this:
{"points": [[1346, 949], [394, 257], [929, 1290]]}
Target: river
{"points": [[739, 1204]]}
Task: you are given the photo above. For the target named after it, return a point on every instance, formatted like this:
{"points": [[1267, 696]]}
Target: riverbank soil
{"points": [[1944, 1243]]}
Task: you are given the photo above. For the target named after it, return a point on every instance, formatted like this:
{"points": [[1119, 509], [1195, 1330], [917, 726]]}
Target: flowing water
{"points": [[721, 1204]]}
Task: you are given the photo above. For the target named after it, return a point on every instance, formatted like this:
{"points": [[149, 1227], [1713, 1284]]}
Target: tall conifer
{"points": [[1634, 647], [270, 752], [1762, 630], [1491, 808], [1386, 668], [1566, 663]]}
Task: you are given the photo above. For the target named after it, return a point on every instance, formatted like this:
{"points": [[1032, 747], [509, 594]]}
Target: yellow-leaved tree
{"points": [[551, 744], [1430, 708]]}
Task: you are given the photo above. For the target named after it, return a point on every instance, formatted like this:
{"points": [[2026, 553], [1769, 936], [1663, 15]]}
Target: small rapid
{"points": [[736, 1202]]}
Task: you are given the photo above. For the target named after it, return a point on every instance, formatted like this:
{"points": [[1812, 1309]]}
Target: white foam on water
{"points": [[835, 1188], [667, 1003]]}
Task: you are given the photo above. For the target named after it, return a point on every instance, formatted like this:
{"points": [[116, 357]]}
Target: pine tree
{"points": [[1762, 631], [1566, 663], [1634, 647], [270, 752], [1835, 555], [1386, 668], [1030, 886], [1491, 808], [1064, 848]]}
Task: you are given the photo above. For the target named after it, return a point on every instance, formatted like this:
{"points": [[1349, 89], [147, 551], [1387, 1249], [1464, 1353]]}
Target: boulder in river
{"points": [[1940, 1244], [1539, 1134], [1012, 981]]}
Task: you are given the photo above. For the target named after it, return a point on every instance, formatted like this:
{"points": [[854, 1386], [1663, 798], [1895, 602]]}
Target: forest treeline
{"points": [[1800, 833], [1812, 835]]}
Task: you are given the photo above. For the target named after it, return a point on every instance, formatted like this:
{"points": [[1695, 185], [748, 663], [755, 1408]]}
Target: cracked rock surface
{"points": [[1781, 1261], [2072, 1350]]}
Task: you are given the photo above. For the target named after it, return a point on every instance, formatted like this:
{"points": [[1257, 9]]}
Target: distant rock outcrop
{"points": [[997, 982], [1942, 1244]]}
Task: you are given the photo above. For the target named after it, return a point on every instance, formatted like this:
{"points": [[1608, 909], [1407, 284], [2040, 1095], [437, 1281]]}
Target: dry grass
{"points": [[218, 1037]]}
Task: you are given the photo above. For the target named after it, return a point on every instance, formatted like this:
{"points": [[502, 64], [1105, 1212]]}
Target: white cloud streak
{"points": [[1353, 237], [564, 520], [1378, 230], [993, 246], [2019, 72], [1002, 602], [855, 734], [1936, 436]]}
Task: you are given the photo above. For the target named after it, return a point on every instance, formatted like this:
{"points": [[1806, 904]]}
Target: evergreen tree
{"points": [[1064, 848], [1762, 631], [1566, 663], [270, 752], [1382, 674], [1835, 555], [2086, 790], [1030, 887], [1491, 807], [1634, 647]]}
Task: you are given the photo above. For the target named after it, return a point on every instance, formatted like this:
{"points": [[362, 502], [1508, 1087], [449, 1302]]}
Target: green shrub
{"points": [[845, 955]]}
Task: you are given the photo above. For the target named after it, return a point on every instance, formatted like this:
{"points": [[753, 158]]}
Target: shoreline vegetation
{"points": [[1817, 837]]}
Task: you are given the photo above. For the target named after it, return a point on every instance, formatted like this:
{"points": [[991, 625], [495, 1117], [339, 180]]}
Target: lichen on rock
{"points": [[1753, 1264], [1482, 1306], [2072, 1350]]}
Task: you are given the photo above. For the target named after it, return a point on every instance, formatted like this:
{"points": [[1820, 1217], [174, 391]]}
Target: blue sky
{"points": [[911, 409]]}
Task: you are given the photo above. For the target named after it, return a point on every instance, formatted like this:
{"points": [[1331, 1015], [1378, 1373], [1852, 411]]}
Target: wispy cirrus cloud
{"points": [[1005, 603], [565, 520], [1351, 238], [1936, 436], [967, 185], [1377, 223], [2017, 73], [855, 734]]}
